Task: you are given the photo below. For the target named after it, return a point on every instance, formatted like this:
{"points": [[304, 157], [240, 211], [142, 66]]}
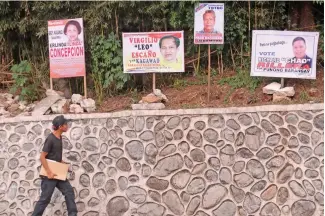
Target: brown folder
{"points": [[60, 169]]}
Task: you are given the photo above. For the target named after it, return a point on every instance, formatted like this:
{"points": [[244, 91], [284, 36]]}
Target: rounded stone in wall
{"points": [[319, 150], [238, 166], [185, 123], [311, 173], [76, 133], [110, 186], [270, 209], [243, 179], [291, 118], [255, 168], [318, 121], [305, 151], [197, 185], [146, 171], [233, 124], [226, 208], [185, 197], [117, 206], [15, 138], [168, 165], [83, 193], [167, 150], [90, 144], [240, 139], [225, 175], [220, 143], [20, 129], [275, 162], [168, 135], [213, 195], [173, 122], [211, 175], [197, 155], [227, 155], [276, 119], [251, 203], [195, 138], [285, 173], [254, 138], [312, 163], [98, 179], [135, 149], [303, 138], [14, 148], [111, 171], [159, 126], [180, 179], [210, 135], [87, 166], [210, 150], [199, 125], [214, 162], [130, 134], [216, 121], [244, 153], [84, 180], [149, 208], [193, 205], [184, 147], [157, 184], [292, 129], [122, 182], [228, 135], [155, 196], [245, 119], [136, 194], [308, 187], [305, 115], [116, 152], [294, 156], [303, 207], [265, 153], [13, 163], [123, 164]]}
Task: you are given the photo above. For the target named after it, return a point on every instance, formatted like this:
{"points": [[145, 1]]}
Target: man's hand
{"points": [[50, 175]]}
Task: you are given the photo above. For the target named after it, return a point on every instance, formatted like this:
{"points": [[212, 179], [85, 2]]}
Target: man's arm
{"points": [[50, 175]]}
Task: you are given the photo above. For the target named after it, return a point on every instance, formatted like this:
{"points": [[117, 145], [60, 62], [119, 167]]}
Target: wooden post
{"points": [[153, 82], [51, 83], [85, 86], [209, 72], [282, 82]]}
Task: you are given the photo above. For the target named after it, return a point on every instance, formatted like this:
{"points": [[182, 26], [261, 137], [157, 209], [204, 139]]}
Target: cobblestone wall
{"points": [[261, 163]]}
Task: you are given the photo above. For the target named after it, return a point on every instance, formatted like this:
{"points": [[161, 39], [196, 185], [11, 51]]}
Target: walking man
{"points": [[52, 150]]}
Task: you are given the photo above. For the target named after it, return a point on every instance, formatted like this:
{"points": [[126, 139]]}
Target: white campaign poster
{"points": [[284, 54], [147, 52], [66, 48], [209, 24]]}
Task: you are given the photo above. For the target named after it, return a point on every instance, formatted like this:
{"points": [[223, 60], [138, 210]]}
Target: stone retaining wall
{"points": [[248, 161]]}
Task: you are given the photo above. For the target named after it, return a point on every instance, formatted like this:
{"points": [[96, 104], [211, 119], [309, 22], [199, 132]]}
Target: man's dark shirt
{"points": [[53, 146]]}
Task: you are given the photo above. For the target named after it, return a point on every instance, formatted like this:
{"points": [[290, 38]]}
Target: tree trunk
{"points": [[307, 22]]}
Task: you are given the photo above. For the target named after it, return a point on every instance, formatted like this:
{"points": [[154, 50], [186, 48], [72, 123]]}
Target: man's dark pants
{"points": [[47, 187]]}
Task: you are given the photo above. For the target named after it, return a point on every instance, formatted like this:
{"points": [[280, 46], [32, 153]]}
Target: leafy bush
{"points": [[241, 80], [25, 83], [107, 65]]}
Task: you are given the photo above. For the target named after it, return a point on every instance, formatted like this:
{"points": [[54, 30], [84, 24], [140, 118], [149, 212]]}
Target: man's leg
{"points": [[47, 187], [67, 191]]}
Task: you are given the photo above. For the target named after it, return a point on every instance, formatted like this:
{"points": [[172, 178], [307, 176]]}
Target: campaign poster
{"points": [[284, 54], [66, 48], [147, 52], [209, 23]]}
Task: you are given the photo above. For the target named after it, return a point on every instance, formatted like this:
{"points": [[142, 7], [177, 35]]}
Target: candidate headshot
{"points": [[169, 46], [209, 20], [299, 50], [72, 29]]}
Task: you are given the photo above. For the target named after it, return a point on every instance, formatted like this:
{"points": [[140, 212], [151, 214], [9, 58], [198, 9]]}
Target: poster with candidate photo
{"points": [[209, 23], [147, 52], [66, 48], [284, 54]]}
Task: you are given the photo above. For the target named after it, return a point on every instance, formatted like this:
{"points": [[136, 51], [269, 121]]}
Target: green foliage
{"points": [[24, 83], [106, 65], [303, 96], [241, 80]]}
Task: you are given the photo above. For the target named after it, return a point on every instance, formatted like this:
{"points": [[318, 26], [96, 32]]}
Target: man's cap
{"points": [[59, 121]]}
